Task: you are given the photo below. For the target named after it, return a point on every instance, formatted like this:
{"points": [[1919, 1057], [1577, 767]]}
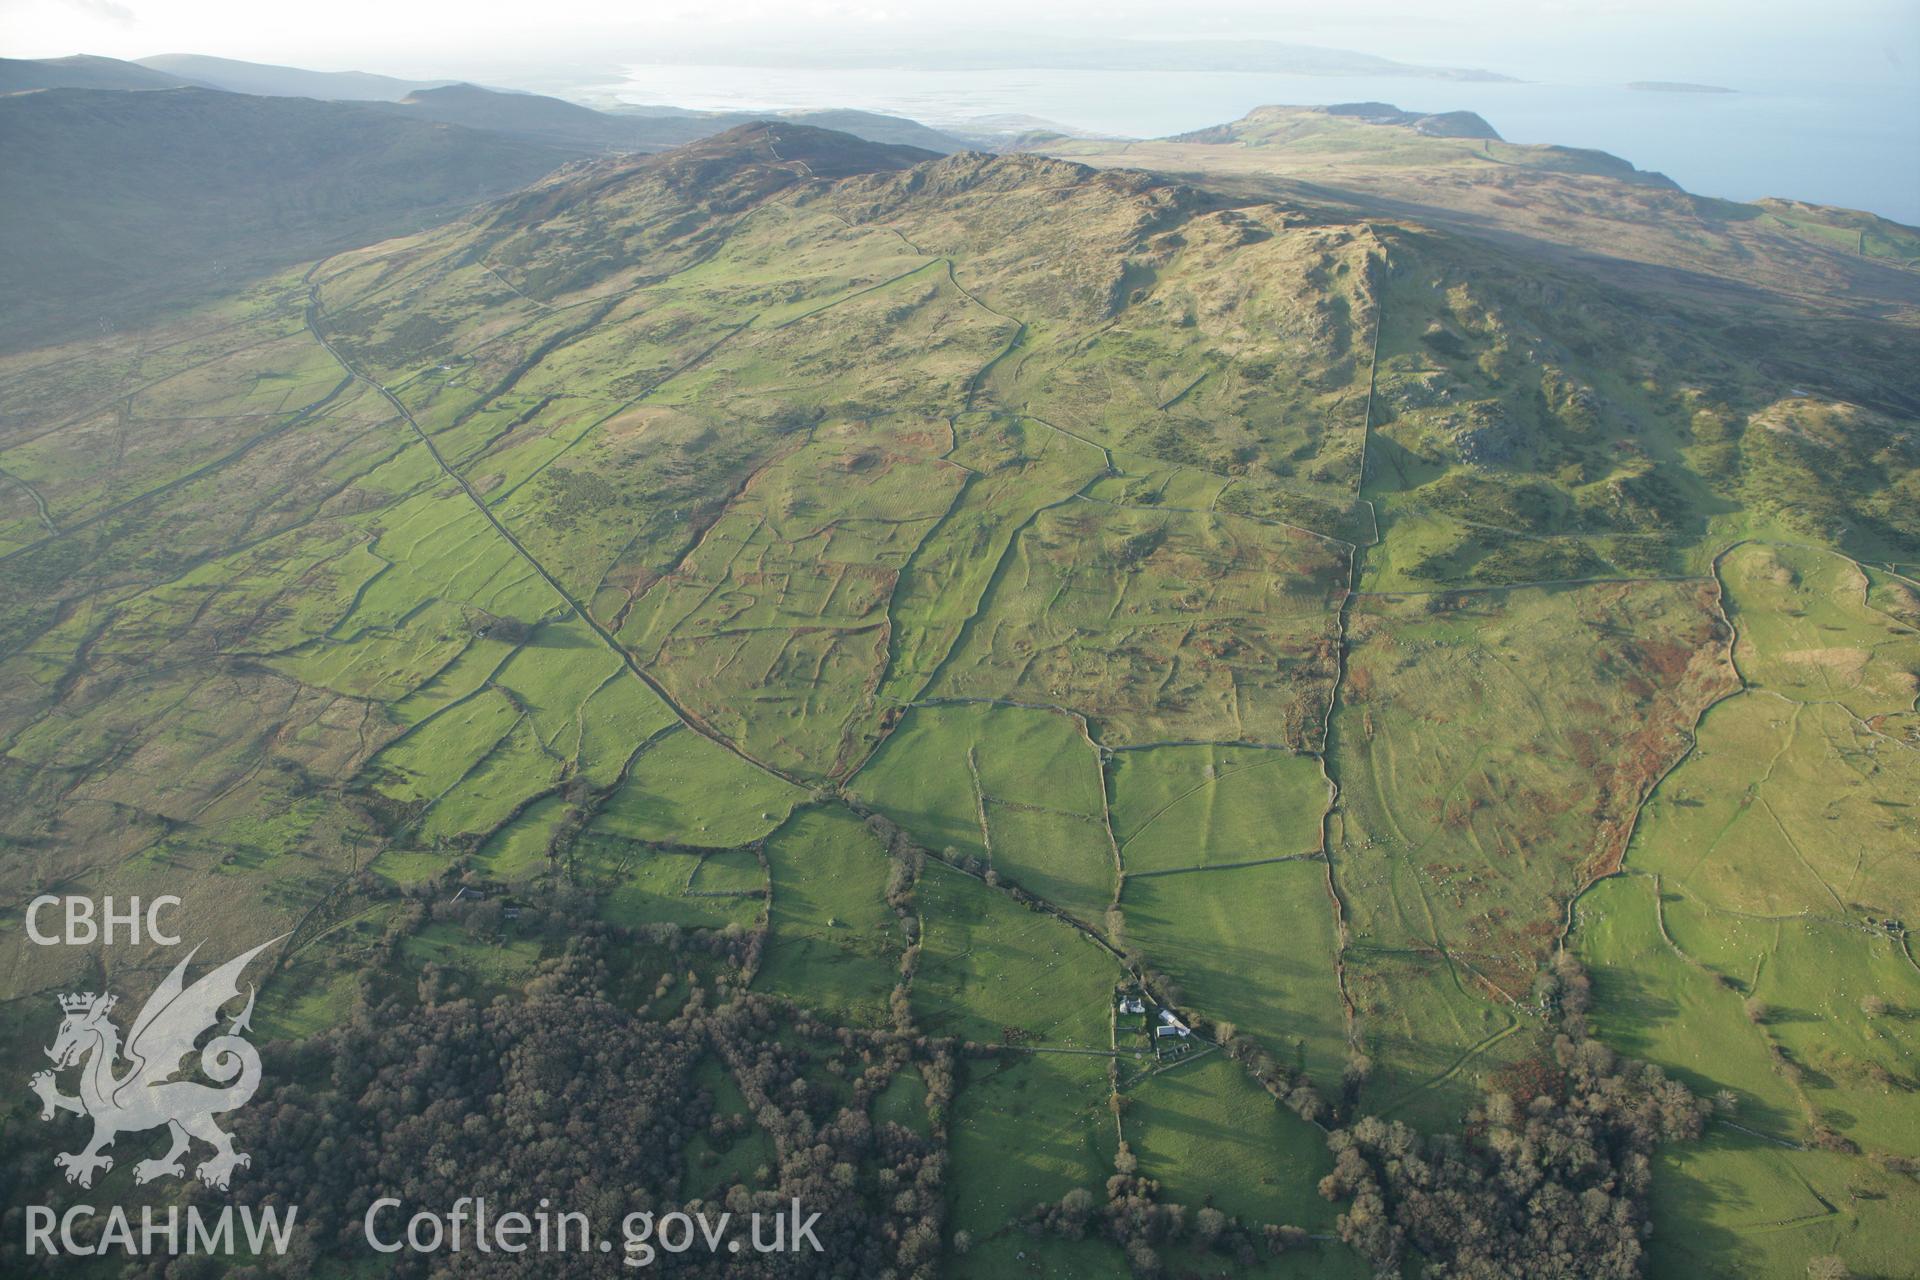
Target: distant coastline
{"points": [[1677, 86], [1825, 143]]}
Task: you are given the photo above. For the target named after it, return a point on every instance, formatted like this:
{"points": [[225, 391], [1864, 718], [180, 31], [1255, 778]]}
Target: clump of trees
{"points": [[1549, 1176], [573, 1089], [907, 860], [1289, 1087], [1135, 1218]]}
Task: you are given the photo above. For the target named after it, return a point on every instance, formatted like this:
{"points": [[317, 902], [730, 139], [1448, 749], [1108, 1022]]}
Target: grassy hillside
{"points": [[955, 597], [119, 203]]}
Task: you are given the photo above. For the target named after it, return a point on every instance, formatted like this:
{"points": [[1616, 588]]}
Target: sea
{"points": [[1851, 144]]}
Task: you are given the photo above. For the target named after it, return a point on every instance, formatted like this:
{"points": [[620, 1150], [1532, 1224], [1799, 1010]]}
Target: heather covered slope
{"points": [[952, 592]]}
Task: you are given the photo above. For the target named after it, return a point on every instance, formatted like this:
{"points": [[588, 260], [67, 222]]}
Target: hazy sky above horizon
{"points": [[1703, 40]]}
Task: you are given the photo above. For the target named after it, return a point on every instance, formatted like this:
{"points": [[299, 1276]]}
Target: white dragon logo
{"points": [[146, 1096]]}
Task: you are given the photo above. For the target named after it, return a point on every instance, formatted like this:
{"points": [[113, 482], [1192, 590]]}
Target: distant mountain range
{"points": [[284, 82], [525, 115], [555, 120], [1567, 208], [1446, 124], [184, 70]]}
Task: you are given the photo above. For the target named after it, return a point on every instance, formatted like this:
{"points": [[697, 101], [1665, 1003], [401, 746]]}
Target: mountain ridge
{"points": [[265, 79], [83, 71]]}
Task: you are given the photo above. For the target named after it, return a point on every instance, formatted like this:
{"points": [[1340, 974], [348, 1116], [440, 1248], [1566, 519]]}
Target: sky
{"points": [[1702, 40]]}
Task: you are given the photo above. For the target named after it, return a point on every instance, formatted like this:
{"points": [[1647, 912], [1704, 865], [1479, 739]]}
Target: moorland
{"points": [[1329, 694]]}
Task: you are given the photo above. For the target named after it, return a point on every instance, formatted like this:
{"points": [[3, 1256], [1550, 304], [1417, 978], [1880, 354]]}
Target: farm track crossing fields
{"points": [[1433, 1029]]}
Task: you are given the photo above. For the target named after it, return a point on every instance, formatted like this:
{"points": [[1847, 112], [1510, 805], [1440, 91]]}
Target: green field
{"points": [[715, 1164], [788, 591], [1741, 1206], [1809, 632], [1200, 806], [645, 885], [1211, 1136], [833, 938], [684, 789], [1657, 1003], [1467, 843], [519, 849], [1029, 1128], [992, 970], [1750, 952], [1253, 945], [1018, 788]]}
